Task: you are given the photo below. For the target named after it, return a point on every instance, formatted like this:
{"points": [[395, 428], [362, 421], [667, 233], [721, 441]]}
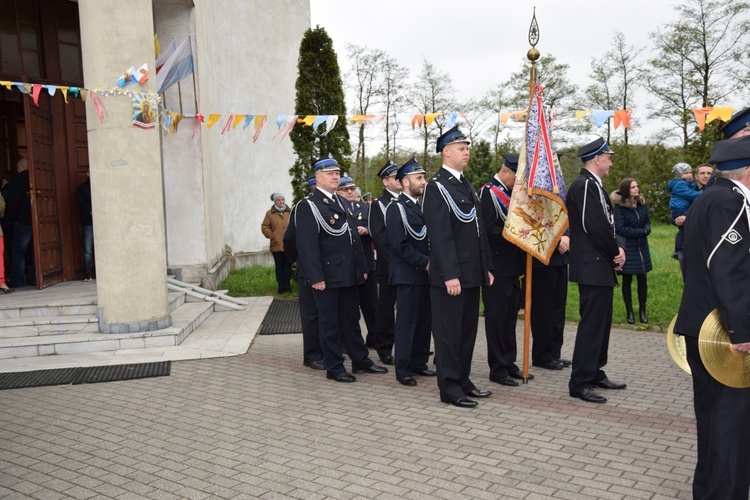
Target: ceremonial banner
{"points": [[537, 217]]}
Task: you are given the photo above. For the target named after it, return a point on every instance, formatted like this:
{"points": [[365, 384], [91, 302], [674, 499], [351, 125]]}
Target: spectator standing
{"points": [[273, 226], [83, 194], [18, 210], [632, 223]]}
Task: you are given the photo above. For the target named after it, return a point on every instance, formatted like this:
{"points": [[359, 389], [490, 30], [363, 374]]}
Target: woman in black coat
{"points": [[633, 224]]}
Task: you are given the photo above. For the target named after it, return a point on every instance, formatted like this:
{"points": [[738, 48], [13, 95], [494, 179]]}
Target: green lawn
{"points": [[664, 283]]}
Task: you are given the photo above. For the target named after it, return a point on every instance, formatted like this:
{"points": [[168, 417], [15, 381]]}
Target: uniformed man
{"points": [[460, 264], [360, 212], [717, 269], [331, 256], [502, 299], [596, 253], [738, 125], [382, 341], [312, 353], [408, 265]]}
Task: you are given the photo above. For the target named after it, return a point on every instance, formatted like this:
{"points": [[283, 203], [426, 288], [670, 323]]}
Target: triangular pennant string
{"points": [[700, 116], [719, 113], [99, 108], [237, 120], [320, 119], [248, 120], [260, 120], [331, 121], [580, 113], [35, 91], [212, 119], [227, 124]]}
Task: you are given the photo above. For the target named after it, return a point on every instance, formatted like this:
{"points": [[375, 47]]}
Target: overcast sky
{"points": [[481, 42]]}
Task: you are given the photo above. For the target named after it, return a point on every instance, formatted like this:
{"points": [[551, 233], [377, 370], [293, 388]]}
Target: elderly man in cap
{"points": [[717, 270], [596, 254], [502, 298], [408, 267], [360, 212], [382, 341], [312, 354], [460, 264], [331, 255]]}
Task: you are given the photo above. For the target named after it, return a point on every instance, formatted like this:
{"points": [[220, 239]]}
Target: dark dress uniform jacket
{"points": [[721, 282], [593, 245], [360, 212], [377, 230], [409, 256], [508, 259], [457, 249], [337, 260]]}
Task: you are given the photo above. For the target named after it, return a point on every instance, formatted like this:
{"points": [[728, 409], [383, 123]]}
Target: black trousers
{"points": [[454, 326], [592, 338], [382, 340], [722, 414], [501, 303], [368, 302], [283, 271], [338, 318], [549, 293], [413, 329], [627, 291], [308, 313]]}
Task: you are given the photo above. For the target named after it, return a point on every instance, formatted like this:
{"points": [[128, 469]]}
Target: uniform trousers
{"points": [[549, 293], [413, 329], [382, 340], [721, 414], [592, 338], [368, 302], [501, 301], [338, 317], [308, 313], [454, 326]]}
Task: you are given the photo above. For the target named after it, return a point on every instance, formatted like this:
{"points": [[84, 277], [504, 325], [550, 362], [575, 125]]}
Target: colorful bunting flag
{"points": [[622, 117], [177, 67]]}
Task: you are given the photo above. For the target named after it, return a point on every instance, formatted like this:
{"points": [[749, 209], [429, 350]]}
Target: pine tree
{"points": [[319, 92]]}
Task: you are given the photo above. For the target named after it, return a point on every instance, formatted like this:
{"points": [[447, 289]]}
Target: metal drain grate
{"points": [[89, 375], [282, 317]]}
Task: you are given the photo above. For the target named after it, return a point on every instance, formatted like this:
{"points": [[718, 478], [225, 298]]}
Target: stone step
{"points": [[185, 318]]}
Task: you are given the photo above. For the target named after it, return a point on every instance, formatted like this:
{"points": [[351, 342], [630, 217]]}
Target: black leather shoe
{"points": [[518, 374], [631, 317], [387, 359], [425, 372], [316, 365], [341, 377], [407, 381], [464, 402], [642, 316], [550, 365], [608, 384], [504, 381], [476, 393], [589, 395], [565, 362], [372, 369]]}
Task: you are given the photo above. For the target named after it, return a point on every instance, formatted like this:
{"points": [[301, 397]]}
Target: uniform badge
{"points": [[325, 200], [331, 222], [359, 217], [336, 216], [734, 237]]}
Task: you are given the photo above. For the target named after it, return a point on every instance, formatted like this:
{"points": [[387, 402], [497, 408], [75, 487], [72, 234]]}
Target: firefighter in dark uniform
{"points": [[360, 212], [331, 255], [312, 354], [382, 341], [502, 299], [460, 264], [408, 267], [717, 272], [596, 253]]}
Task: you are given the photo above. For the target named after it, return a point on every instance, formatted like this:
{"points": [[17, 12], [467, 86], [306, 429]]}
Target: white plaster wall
{"points": [[246, 64], [181, 153]]}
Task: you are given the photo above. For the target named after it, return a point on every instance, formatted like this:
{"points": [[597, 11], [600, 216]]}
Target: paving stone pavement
{"points": [[261, 425]]}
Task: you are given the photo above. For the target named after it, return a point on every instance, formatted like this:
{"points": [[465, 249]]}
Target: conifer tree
{"points": [[319, 92]]}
